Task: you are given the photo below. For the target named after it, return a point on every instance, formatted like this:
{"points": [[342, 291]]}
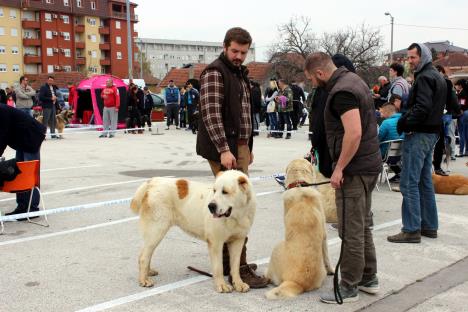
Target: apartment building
{"points": [[164, 55], [53, 36]]}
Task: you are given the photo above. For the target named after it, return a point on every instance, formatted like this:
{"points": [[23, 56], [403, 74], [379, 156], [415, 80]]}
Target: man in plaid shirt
{"points": [[225, 136]]}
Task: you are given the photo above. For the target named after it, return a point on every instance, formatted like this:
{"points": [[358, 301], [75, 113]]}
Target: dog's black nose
{"points": [[212, 207]]}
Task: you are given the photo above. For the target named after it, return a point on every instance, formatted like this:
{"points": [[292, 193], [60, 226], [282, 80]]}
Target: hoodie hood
{"points": [[426, 57]]}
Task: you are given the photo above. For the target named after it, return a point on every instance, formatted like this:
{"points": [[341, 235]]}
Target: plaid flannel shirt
{"points": [[211, 102]]}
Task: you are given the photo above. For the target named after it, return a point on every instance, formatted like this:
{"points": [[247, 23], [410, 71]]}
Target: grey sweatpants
{"points": [[109, 120], [48, 119]]}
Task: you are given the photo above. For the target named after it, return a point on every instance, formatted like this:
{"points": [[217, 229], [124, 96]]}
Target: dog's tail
{"points": [[287, 289], [139, 197]]}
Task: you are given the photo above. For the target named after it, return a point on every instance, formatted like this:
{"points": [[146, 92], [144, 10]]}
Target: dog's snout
{"points": [[212, 207]]}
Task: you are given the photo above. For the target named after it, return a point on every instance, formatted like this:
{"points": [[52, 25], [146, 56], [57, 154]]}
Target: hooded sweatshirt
{"points": [[427, 98]]}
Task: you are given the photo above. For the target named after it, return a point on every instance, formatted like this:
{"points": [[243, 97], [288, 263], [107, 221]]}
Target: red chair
{"points": [[27, 180]]}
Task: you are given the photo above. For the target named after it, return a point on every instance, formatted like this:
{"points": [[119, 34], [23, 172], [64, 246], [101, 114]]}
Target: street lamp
{"points": [[391, 37]]}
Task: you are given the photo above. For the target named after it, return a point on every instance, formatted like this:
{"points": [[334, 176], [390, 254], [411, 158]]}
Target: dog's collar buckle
{"points": [[298, 184]]}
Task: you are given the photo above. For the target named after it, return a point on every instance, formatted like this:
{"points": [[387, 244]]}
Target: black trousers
{"points": [[439, 150]]}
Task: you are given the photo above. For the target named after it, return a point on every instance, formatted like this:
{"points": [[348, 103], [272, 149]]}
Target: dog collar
{"points": [[305, 184]]}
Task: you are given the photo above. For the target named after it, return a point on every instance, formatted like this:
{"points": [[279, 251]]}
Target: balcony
{"points": [[79, 28], [79, 45], [31, 24], [135, 34], [31, 42], [105, 62], [123, 15], [104, 46], [104, 30], [32, 59], [80, 61]]}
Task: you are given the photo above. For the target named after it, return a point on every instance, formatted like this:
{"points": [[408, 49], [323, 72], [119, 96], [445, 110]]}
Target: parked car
{"points": [[65, 92], [159, 102]]}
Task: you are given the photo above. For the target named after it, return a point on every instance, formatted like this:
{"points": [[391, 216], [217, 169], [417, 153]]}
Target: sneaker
{"points": [[371, 286], [111, 136], [453, 158], [280, 180], [288, 137], [348, 294], [395, 179], [167, 128], [441, 172], [102, 136], [405, 237], [177, 128], [429, 233]]}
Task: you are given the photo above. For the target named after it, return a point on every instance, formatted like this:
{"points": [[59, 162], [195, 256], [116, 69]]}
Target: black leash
{"points": [[336, 285]]}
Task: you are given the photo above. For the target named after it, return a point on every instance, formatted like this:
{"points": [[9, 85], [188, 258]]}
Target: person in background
{"points": [[192, 99], [285, 108], [183, 109], [172, 97], [72, 95], [24, 134], [148, 104], [111, 97], [399, 86], [134, 117], [298, 100], [256, 105], [10, 91], [48, 100], [461, 86], [24, 96], [380, 98], [3, 97], [270, 94]]}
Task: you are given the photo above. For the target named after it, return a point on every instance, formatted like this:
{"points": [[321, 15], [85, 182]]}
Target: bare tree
{"points": [[362, 45]]}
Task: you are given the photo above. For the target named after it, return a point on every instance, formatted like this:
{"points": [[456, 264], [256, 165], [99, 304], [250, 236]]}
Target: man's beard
{"points": [[236, 62]]}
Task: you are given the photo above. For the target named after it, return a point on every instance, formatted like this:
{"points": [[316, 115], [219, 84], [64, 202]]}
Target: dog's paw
{"points": [[147, 282], [241, 287], [152, 272], [330, 271], [223, 288]]}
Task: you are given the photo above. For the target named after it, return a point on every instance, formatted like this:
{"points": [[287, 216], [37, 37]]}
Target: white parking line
{"points": [[68, 168], [193, 280]]}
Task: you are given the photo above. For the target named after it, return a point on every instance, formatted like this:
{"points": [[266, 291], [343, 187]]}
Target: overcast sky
{"points": [[208, 20]]}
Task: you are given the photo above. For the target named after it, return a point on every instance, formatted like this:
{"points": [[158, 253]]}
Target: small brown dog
{"points": [[61, 120], [453, 184]]}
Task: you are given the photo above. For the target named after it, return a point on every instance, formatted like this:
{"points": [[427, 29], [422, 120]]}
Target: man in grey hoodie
{"points": [[24, 96], [421, 125]]}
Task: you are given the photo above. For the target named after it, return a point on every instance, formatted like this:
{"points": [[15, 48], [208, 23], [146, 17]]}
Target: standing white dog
{"points": [[217, 214]]}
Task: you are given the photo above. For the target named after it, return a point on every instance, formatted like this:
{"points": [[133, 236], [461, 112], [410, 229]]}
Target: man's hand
{"points": [[228, 160], [337, 178], [251, 158], [54, 98]]}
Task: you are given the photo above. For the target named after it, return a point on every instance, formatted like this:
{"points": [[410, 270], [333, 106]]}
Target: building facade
{"points": [[53, 36], [164, 55]]}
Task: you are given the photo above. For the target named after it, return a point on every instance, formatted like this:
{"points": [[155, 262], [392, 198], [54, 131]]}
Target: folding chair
{"points": [[27, 180], [392, 157]]}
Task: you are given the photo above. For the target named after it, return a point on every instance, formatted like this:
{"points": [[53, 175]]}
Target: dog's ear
{"points": [[244, 186], [219, 174]]}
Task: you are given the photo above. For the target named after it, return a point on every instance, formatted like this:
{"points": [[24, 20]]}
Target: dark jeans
{"points": [[359, 260], [284, 118], [48, 119], [182, 118], [439, 149], [172, 112], [134, 118], [146, 118], [22, 199], [192, 122], [419, 208]]}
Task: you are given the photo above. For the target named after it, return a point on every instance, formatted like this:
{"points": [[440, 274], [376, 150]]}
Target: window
{"points": [[14, 32], [48, 17], [67, 68], [50, 68], [67, 52], [15, 68], [14, 50], [92, 21], [117, 24], [2, 31], [66, 19], [49, 1], [119, 55], [12, 13], [93, 5], [48, 34], [66, 3], [78, 3], [118, 40], [93, 54], [1, 12], [50, 52], [3, 68], [66, 36], [27, 34], [93, 38], [2, 49]]}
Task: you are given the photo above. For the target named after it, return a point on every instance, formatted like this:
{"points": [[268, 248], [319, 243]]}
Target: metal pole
{"points": [[391, 41], [129, 42], [141, 59]]}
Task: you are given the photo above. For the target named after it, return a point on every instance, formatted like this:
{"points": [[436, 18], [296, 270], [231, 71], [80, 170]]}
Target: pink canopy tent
{"points": [[94, 85]]}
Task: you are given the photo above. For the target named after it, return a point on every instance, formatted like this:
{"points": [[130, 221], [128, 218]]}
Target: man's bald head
{"points": [[319, 67]]}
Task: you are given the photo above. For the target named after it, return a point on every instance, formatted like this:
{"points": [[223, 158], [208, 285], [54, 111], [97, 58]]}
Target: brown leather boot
{"points": [[249, 277], [226, 264]]}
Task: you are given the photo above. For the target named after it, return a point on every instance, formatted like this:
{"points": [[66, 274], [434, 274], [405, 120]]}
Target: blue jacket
{"points": [[172, 95], [388, 131]]}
